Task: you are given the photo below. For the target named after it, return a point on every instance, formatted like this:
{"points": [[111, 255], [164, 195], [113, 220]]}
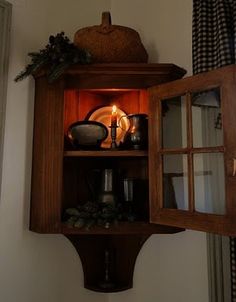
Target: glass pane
{"points": [[209, 183], [174, 128], [206, 117], [175, 181]]}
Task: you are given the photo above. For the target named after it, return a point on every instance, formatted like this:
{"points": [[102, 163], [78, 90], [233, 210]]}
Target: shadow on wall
{"points": [[152, 52]]}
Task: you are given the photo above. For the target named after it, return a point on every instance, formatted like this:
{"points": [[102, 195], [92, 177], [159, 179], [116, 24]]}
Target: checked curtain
{"points": [[214, 45], [214, 34]]}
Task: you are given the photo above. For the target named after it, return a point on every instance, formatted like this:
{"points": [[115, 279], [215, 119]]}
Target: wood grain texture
{"points": [[60, 174], [131, 228], [46, 190], [80, 90], [106, 153], [191, 204], [225, 79], [123, 251], [210, 223], [118, 75]]}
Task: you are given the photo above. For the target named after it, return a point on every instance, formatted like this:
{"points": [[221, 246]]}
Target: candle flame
{"points": [[114, 109]]}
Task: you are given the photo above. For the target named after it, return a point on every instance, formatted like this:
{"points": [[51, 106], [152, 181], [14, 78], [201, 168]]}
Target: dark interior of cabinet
{"points": [[82, 174], [82, 182]]}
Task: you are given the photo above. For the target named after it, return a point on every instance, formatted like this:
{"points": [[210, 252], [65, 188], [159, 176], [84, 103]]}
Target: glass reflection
{"points": [[209, 183], [175, 181], [207, 119], [174, 129]]}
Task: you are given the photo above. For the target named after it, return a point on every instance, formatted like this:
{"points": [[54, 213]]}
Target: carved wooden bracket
{"points": [[108, 260]]}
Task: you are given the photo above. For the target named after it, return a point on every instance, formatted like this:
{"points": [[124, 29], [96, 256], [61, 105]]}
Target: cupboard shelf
{"points": [[138, 227], [106, 153]]}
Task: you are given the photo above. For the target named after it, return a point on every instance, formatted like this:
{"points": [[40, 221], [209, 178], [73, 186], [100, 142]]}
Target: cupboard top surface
{"points": [[117, 75]]}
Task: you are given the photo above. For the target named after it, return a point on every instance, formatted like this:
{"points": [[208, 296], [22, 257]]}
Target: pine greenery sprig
{"points": [[96, 213], [58, 55]]}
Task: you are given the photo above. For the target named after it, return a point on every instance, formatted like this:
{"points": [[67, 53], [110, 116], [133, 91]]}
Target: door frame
{"points": [[5, 25]]}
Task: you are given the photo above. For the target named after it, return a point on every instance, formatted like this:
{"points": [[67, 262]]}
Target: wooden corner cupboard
{"points": [[186, 175]]}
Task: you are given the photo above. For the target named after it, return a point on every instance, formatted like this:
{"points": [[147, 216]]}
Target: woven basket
{"points": [[109, 43]]}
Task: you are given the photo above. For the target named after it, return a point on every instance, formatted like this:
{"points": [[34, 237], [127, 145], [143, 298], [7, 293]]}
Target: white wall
{"points": [[169, 267], [35, 267], [46, 267], [165, 27]]}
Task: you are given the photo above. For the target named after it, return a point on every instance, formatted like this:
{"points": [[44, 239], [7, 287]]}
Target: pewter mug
{"points": [[107, 194], [137, 135]]}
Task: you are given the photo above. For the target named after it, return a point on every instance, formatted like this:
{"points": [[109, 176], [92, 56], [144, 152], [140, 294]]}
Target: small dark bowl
{"points": [[87, 135]]}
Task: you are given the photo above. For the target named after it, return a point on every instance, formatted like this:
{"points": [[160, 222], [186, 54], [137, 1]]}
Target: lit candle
{"points": [[114, 116]]}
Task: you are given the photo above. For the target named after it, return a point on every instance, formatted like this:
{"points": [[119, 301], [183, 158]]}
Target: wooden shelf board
{"points": [[122, 228], [106, 153]]}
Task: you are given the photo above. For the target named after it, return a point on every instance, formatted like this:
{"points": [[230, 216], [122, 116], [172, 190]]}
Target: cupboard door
{"points": [[192, 152]]}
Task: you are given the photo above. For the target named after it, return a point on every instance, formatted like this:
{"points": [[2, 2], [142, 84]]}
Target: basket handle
{"points": [[106, 19], [106, 26]]}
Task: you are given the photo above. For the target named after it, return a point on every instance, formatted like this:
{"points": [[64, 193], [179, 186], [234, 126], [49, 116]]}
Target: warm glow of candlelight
{"points": [[114, 109], [114, 116]]}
